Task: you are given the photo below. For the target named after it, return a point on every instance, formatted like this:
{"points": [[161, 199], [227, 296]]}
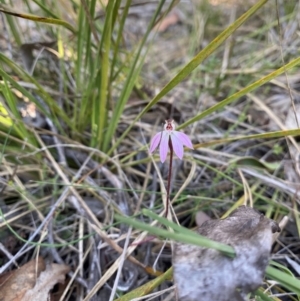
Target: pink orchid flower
{"points": [[169, 138]]}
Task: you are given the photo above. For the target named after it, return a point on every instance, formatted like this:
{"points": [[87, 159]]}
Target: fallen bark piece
{"points": [[14, 284], [31, 282], [206, 274], [53, 274]]}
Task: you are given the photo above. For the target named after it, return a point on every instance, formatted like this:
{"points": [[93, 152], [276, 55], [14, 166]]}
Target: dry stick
{"points": [[68, 145], [74, 274], [95, 224], [182, 187], [59, 260], [274, 117], [228, 43], [50, 236], [123, 257], [186, 182], [112, 178], [115, 265], [21, 186], [146, 179], [37, 231], [247, 190], [7, 253], [90, 20], [274, 182], [94, 263], [154, 296], [59, 148], [80, 254], [50, 229], [53, 209]]}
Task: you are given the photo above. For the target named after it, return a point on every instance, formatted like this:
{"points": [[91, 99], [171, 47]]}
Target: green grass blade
{"points": [[13, 26], [79, 49], [263, 296], [196, 61], [269, 135], [242, 92], [119, 38], [100, 103], [86, 66], [18, 125], [45, 9], [130, 81], [285, 279], [52, 104], [38, 19], [166, 222], [183, 235]]}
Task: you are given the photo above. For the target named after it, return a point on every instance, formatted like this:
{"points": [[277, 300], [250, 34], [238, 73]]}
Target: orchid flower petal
{"points": [[164, 146], [177, 146], [185, 139], [169, 137], [155, 142]]}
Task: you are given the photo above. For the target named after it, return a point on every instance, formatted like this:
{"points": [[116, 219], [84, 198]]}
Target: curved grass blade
{"points": [[242, 92], [45, 9], [40, 91], [285, 279], [119, 38], [34, 18], [269, 135], [4, 116], [4, 221], [100, 103], [17, 124], [183, 235], [196, 61], [134, 71], [263, 296], [255, 163]]}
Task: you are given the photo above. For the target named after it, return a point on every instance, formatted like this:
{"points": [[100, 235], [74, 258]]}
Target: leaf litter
{"points": [[32, 281]]}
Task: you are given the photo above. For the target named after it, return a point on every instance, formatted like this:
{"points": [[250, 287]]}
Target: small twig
{"points": [[122, 260], [93, 272], [74, 274], [57, 257], [90, 20], [7, 253]]}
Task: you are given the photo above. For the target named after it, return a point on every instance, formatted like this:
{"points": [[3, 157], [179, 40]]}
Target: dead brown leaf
{"points": [[14, 284], [32, 281], [53, 274]]}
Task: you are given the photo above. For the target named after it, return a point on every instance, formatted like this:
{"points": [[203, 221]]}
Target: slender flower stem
{"points": [[172, 140], [169, 177]]}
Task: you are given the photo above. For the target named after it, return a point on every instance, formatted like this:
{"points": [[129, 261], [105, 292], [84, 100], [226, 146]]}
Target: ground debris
{"points": [[32, 281], [206, 274]]}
